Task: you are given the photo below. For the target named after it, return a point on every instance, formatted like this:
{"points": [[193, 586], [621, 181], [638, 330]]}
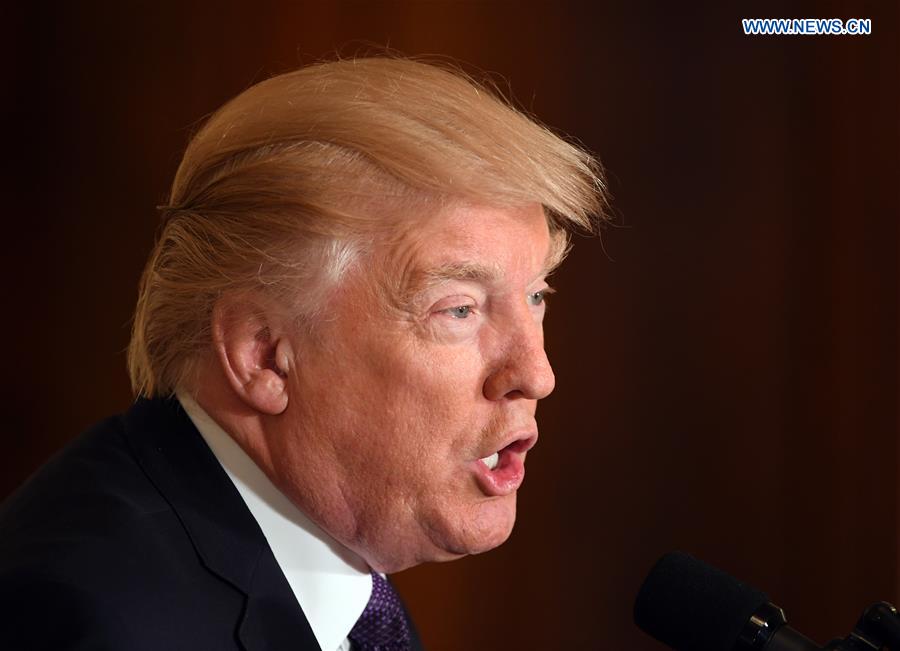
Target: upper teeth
{"points": [[491, 461]]}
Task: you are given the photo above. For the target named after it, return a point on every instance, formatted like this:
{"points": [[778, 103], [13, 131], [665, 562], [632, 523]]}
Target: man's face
{"points": [[412, 406]]}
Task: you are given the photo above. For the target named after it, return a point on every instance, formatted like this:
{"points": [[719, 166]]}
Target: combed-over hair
{"points": [[283, 185]]}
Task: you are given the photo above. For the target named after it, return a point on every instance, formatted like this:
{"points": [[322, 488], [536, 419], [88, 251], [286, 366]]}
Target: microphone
{"points": [[691, 606]]}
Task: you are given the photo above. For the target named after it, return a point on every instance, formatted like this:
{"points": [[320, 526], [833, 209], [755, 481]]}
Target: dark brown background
{"points": [[726, 354]]}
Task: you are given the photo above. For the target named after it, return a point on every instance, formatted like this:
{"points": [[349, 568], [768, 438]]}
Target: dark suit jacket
{"points": [[133, 538]]}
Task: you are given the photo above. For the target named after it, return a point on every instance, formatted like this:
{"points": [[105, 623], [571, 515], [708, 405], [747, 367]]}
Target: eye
{"points": [[459, 311], [540, 297]]}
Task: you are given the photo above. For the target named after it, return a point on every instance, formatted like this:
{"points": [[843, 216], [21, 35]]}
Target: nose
{"points": [[523, 370]]}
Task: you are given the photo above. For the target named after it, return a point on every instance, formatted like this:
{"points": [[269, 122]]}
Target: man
{"points": [[338, 352]]}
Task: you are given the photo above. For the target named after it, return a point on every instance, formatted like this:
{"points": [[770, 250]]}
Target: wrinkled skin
{"points": [[393, 400]]}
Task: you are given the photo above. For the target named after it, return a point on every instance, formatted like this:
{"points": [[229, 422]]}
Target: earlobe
{"points": [[267, 393], [254, 361]]}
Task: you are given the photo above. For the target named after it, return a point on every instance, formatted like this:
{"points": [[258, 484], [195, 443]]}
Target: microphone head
{"points": [[691, 606]]}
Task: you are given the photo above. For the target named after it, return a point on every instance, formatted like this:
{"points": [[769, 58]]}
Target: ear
{"points": [[252, 352]]}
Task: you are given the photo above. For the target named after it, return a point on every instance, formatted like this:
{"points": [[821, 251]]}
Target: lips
{"points": [[508, 472]]}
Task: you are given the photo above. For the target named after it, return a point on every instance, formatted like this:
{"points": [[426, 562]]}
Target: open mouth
{"points": [[519, 446], [491, 461], [502, 472]]}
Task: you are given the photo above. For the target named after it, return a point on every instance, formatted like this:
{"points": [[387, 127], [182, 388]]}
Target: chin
{"points": [[444, 535], [484, 526]]}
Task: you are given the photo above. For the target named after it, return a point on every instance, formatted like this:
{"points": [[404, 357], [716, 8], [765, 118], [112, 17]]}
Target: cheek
{"points": [[429, 381], [396, 409], [420, 434]]}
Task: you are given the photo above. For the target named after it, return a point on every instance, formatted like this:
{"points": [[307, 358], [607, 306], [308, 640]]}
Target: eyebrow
{"points": [[471, 271], [425, 279], [411, 285]]}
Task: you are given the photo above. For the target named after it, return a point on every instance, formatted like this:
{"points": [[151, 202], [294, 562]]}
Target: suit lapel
{"points": [[270, 619], [227, 538]]}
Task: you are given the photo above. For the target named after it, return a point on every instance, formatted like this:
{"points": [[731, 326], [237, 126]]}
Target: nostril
{"points": [[531, 382]]}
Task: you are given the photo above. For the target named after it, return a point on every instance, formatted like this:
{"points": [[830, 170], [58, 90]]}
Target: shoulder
{"points": [[45, 612], [89, 486], [52, 609], [82, 518], [91, 552]]}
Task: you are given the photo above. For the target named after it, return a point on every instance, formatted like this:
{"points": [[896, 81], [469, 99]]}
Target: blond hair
{"points": [[280, 187]]}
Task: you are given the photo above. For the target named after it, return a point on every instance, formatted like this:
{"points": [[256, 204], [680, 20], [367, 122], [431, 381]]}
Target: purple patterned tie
{"points": [[382, 625]]}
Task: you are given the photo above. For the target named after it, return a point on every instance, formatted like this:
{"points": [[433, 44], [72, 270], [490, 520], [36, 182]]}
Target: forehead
{"points": [[476, 243]]}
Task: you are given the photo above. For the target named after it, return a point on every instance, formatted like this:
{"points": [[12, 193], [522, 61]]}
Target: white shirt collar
{"points": [[332, 584]]}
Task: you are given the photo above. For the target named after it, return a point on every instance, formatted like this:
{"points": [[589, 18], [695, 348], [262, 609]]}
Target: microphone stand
{"points": [[877, 628]]}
